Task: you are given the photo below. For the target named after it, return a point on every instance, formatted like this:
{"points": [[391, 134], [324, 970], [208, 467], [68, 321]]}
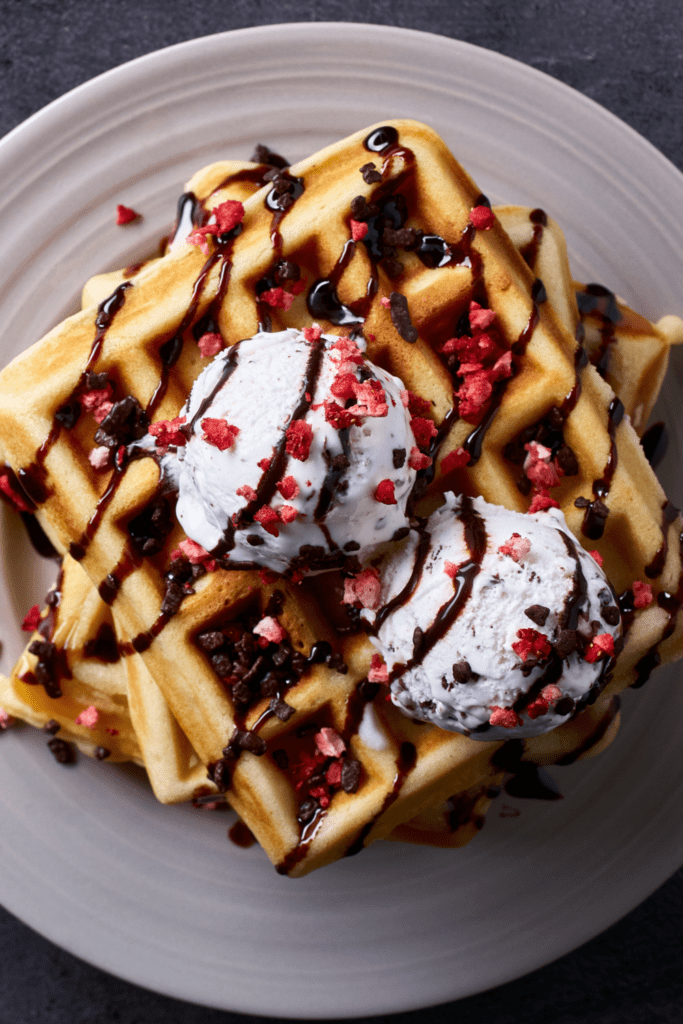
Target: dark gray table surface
{"points": [[626, 55]]}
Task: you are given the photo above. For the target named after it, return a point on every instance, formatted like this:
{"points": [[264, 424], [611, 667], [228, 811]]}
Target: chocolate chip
{"points": [[462, 673], [399, 534], [418, 639], [281, 758], [350, 777], [96, 381], [565, 706], [581, 503], [596, 627], [538, 613], [405, 237], [567, 642], [599, 510], [125, 422], [211, 641], [611, 615], [566, 460], [62, 751], [352, 545], [219, 773], [393, 269], [400, 316], [101, 753], [51, 727], [251, 741], [173, 598], [307, 810], [370, 174], [514, 453], [337, 664], [263, 155], [68, 414], [149, 529], [281, 709], [44, 649], [286, 271], [367, 691], [282, 654], [340, 462]]}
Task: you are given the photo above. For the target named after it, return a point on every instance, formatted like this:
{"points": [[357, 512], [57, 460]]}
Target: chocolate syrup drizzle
{"points": [[593, 524], [597, 301]]}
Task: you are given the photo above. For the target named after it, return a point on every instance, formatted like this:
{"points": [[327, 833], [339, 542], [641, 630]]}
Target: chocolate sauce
{"points": [[111, 584], [104, 646], [656, 566], [405, 594], [189, 215], [532, 783], [240, 835], [599, 302], [594, 524], [580, 362], [381, 139], [529, 252]]}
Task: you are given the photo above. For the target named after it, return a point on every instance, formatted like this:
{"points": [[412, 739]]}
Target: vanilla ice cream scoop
{"points": [[297, 453], [494, 623]]}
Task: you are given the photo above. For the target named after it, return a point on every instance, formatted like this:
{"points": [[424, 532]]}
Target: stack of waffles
{"points": [[144, 655]]}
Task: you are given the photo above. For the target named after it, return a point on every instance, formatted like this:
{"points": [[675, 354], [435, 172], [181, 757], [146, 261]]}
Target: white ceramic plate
{"points": [[158, 895]]}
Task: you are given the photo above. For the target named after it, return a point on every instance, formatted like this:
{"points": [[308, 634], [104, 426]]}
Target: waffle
{"points": [[139, 335]]}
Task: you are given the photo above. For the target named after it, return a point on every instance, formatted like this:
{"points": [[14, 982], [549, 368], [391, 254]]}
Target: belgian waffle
{"points": [[143, 340]]}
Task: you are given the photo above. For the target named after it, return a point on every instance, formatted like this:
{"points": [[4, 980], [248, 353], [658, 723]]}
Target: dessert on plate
{"points": [[368, 309]]}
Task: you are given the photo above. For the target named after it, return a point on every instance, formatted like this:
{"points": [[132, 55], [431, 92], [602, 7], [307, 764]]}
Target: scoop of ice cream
{"points": [[494, 623], [297, 453]]}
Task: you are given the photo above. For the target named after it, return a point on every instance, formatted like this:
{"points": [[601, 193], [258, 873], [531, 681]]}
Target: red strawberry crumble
{"points": [[98, 402], [6, 721], [414, 403], [268, 518], [457, 459], [539, 468], [31, 619], [245, 491], [89, 718], [597, 557], [364, 589], [278, 298], [541, 502], [264, 464], [228, 215], [337, 416], [480, 318], [312, 334], [210, 344], [168, 432], [602, 644], [418, 460], [385, 493], [288, 513], [451, 569], [270, 630], [329, 742], [343, 386], [219, 433], [15, 499], [516, 547], [506, 717], [482, 217], [267, 576], [126, 214], [423, 429], [100, 457], [371, 399], [299, 438], [359, 230], [379, 672], [288, 488], [642, 594], [533, 643], [195, 554]]}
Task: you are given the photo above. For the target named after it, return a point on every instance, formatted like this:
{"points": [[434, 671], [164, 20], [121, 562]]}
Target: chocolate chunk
{"points": [[340, 462], [566, 460], [418, 639], [255, 540], [96, 381], [149, 529], [367, 691], [611, 615], [281, 709], [524, 485], [581, 503], [307, 810], [596, 627], [399, 457], [68, 414], [599, 510], [263, 155], [62, 751], [101, 753], [221, 663], [211, 641], [514, 453], [51, 727], [405, 237], [337, 664], [282, 655], [567, 642], [538, 613], [350, 777], [462, 673], [370, 174], [173, 598], [251, 741], [125, 422], [44, 649], [565, 706], [400, 316], [286, 271], [393, 269], [241, 694], [352, 545], [270, 685], [281, 758], [362, 210]]}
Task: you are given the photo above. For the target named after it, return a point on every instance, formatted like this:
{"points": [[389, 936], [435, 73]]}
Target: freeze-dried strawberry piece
{"points": [[168, 432], [346, 354], [516, 547], [384, 301], [474, 393], [455, 460], [423, 430], [210, 344], [14, 499], [418, 460], [287, 513], [538, 466], [264, 464], [482, 217], [278, 298], [270, 629], [245, 491], [100, 457], [228, 215], [126, 214], [329, 742], [414, 403], [337, 416], [506, 717], [371, 399], [596, 556], [343, 386], [531, 642], [451, 569], [31, 619], [541, 502], [385, 493], [359, 230], [298, 287], [313, 334], [198, 237], [379, 672], [89, 717], [267, 576], [219, 433], [602, 644], [642, 594], [364, 589], [98, 402], [299, 438], [537, 708], [333, 775], [288, 488], [6, 721], [195, 554], [480, 318], [268, 518]]}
